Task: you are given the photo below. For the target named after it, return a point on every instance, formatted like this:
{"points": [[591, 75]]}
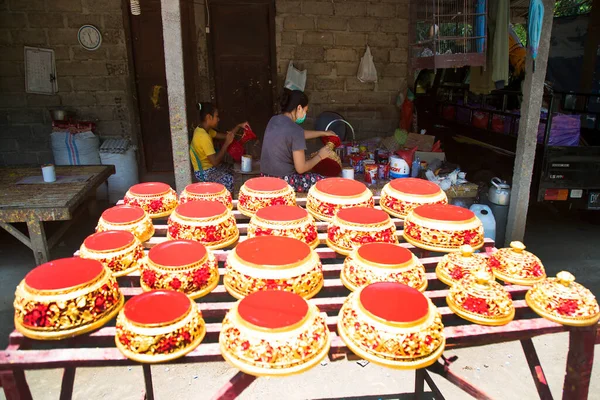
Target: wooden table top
{"points": [[48, 201]]}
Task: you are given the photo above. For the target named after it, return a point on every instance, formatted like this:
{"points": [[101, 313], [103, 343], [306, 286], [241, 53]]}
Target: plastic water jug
{"points": [[398, 167], [484, 213]]}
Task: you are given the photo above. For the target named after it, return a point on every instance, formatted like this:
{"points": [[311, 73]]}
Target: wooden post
{"points": [[579, 363], [533, 91], [171, 21]]}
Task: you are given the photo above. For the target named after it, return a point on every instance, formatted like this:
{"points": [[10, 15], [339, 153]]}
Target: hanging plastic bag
{"points": [[366, 69], [295, 79]]}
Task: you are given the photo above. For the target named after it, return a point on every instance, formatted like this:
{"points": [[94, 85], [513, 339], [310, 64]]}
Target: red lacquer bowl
{"points": [[273, 262], [274, 333], [127, 218], [159, 326], [393, 325], [156, 198], [290, 221], [66, 297], [257, 193], [330, 195], [401, 196], [182, 265], [119, 251], [209, 191]]}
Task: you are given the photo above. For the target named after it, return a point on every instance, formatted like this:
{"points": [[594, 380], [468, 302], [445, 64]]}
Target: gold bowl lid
{"points": [[480, 299], [517, 266], [455, 266], [563, 300]]}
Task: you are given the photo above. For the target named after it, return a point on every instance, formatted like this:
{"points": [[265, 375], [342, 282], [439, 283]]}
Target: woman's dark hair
{"points": [[291, 99], [206, 109]]}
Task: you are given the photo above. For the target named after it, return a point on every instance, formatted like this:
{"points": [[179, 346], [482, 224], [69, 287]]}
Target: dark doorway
{"points": [[151, 82], [243, 59]]}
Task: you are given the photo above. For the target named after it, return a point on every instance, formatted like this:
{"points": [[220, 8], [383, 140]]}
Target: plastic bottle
{"points": [[416, 167], [484, 213]]}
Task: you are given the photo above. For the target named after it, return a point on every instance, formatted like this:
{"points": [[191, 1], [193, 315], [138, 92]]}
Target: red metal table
{"points": [[98, 349]]}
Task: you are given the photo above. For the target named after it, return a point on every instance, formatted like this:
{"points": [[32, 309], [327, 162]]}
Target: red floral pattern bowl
{"points": [[209, 191], [353, 227], [119, 251], [159, 326], [156, 198], [456, 265], [443, 228], [274, 333], [207, 222], [401, 196], [393, 325], [330, 195], [65, 298], [383, 262], [290, 221], [257, 193], [127, 218], [273, 262], [480, 299], [564, 301], [517, 266], [182, 265]]}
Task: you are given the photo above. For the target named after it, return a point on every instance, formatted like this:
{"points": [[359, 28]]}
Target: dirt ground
{"points": [[563, 242]]}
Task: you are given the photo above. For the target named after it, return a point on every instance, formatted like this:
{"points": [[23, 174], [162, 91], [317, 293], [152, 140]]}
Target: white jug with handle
{"points": [[499, 192]]}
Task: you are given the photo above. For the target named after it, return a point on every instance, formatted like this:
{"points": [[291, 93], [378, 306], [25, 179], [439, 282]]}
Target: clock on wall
{"points": [[89, 37]]}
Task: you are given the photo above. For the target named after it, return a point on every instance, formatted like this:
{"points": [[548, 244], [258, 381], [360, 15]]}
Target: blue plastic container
{"points": [[484, 213]]}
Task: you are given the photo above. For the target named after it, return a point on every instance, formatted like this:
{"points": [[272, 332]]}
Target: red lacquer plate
{"points": [[159, 326], [127, 218], [119, 251], [393, 325], [383, 262], [443, 228], [156, 198], [289, 221], [274, 333], [353, 227], [46, 298], [273, 262], [208, 222], [182, 265], [257, 193], [330, 195], [210, 191]]}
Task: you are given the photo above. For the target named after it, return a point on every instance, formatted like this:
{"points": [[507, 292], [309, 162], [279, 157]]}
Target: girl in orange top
{"points": [[208, 164]]}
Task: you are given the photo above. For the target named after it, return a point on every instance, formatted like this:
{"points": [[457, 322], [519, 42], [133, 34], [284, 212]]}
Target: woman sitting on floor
{"points": [[208, 164], [285, 142]]}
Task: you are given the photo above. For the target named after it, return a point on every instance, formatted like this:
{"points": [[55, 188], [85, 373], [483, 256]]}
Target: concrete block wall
{"points": [[93, 85], [328, 39]]}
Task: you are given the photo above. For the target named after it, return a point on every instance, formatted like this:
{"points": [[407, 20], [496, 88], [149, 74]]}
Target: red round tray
{"points": [[266, 184], [282, 213], [109, 240], [340, 187], [64, 273], [394, 302], [177, 253], [444, 212], [362, 215], [385, 253], [419, 187], [204, 188], [157, 307], [273, 309], [201, 209], [272, 250], [149, 188], [123, 214]]}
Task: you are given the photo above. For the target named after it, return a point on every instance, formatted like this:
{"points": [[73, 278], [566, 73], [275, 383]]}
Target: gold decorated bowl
{"points": [[352, 227], [159, 326], [127, 218], [328, 196], [517, 266], [257, 193], [480, 299], [209, 191], [564, 301], [456, 265], [207, 222], [274, 333], [156, 198], [383, 262], [443, 228], [290, 221], [65, 298], [119, 251], [273, 262], [393, 325], [400, 196], [182, 265]]}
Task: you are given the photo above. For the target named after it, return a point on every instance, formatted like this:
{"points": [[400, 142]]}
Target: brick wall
{"points": [[328, 38], [92, 85]]}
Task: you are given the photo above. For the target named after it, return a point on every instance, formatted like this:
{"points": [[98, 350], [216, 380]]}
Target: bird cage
{"points": [[448, 33]]}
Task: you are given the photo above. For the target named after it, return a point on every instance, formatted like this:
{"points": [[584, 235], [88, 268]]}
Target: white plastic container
{"points": [[398, 168], [484, 213]]}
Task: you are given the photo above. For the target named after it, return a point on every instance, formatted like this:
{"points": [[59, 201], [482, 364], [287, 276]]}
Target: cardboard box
{"points": [[421, 142], [429, 156]]}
